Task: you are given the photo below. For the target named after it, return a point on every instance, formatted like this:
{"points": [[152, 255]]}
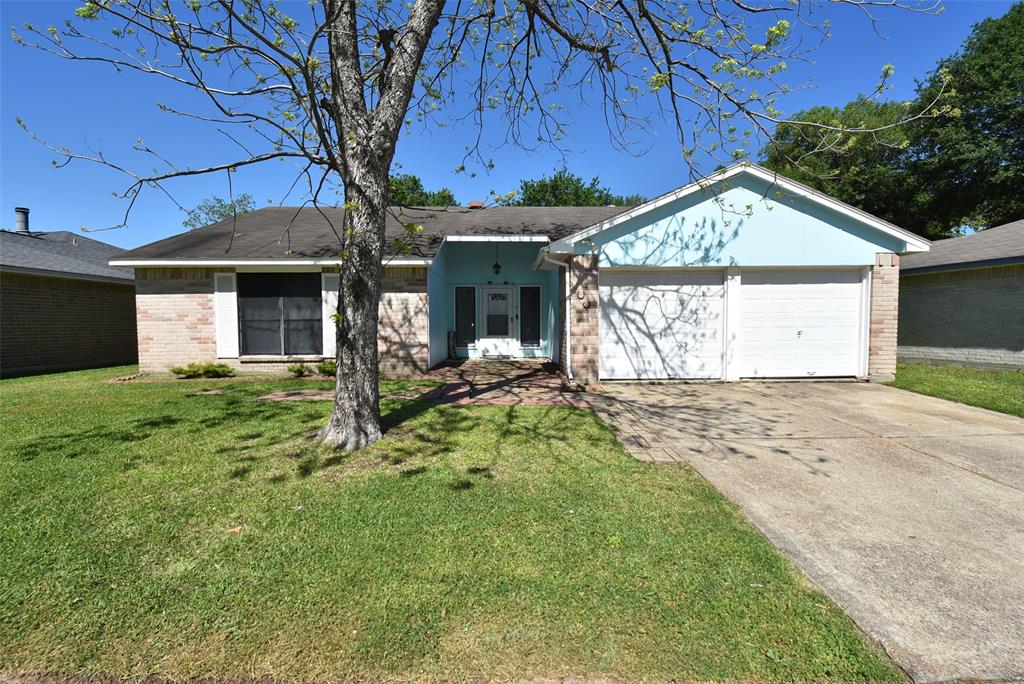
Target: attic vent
{"points": [[476, 204]]}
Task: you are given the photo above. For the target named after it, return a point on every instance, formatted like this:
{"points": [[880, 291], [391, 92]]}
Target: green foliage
{"points": [[328, 367], [149, 527], [566, 189], [973, 161], [203, 370], [406, 189], [300, 370], [89, 10], [962, 164], [867, 171], [214, 209]]}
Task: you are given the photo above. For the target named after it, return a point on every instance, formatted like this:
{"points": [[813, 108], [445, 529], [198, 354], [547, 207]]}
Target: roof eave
{"points": [[963, 265], [203, 263], [127, 279]]}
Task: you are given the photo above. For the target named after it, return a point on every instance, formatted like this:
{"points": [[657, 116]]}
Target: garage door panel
{"points": [[661, 324], [800, 323]]}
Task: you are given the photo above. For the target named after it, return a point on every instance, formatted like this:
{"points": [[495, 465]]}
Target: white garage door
{"points": [[661, 324], [800, 323]]}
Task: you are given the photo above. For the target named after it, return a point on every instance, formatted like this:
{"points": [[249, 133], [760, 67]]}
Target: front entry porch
{"points": [[487, 301]]}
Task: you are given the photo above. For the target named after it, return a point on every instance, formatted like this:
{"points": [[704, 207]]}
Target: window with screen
{"points": [[280, 314]]}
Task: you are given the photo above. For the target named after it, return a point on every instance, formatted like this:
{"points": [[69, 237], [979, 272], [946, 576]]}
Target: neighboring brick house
{"points": [[743, 274], [62, 306], [963, 302]]}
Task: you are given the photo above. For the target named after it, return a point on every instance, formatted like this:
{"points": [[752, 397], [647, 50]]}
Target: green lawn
{"points": [[148, 528], [996, 390]]}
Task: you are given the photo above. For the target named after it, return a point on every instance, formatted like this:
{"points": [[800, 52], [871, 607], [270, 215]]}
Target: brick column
{"points": [[885, 290], [583, 312]]}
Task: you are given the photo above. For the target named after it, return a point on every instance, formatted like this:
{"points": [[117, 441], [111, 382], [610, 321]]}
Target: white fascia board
{"points": [[189, 263], [915, 243], [497, 238], [544, 262]]}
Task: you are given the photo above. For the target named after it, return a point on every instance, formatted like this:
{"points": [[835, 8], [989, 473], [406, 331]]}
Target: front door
{"points": [[498, 337]]}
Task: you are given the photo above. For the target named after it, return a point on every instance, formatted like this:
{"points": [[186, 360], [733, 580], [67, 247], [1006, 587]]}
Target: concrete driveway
{"points": [[907, 510]]}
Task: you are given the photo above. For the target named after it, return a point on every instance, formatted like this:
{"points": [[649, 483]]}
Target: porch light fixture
{"points": [[497, 264]]}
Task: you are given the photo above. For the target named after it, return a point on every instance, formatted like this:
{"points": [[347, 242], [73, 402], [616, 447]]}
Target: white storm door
{"points": [[661, 324], [800, 323], [498, 338]]}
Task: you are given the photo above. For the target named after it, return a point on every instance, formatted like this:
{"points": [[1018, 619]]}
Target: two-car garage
{"points": [[742, 274], [733, 323]]}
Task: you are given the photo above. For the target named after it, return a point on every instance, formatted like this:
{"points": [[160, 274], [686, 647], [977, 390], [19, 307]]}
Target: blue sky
{"points": [[89, 106]]}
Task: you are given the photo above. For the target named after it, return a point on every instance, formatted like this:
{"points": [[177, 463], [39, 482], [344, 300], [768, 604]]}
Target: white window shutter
{"points": [[330, 282], [225, 311]]}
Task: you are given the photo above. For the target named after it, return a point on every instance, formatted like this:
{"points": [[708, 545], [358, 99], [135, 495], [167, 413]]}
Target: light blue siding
{"points": [[438, 301], [750, 224], [471, 263]]}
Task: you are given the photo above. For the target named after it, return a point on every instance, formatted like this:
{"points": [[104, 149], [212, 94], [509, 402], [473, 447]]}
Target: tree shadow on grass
{"points": [[404, 439], [233, 408]]}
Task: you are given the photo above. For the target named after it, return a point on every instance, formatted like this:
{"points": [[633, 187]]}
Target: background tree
{"points": [[973, 163], [871, 172], [566, 189], [214, 209], [332, 87], [406, 190], [962, 165]]}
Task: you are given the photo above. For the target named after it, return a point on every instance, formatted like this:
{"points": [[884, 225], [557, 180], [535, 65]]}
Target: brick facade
{"points": [[176, 323], [49, 324], [972, 317], [174, 308], [584, 305], [885, 287], [404, 326]]}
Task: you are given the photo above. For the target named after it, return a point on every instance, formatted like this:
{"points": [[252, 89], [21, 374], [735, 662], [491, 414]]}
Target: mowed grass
{"points": [[991, 389], [149, 528]]}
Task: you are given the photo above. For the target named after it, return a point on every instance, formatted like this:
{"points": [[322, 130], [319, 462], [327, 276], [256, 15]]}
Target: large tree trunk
{"points": [[355, 420], [367, 145]]}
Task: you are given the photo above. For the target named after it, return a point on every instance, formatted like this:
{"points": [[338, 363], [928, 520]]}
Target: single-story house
{"points": [[742, 274], [61, 305], [963, 302]]}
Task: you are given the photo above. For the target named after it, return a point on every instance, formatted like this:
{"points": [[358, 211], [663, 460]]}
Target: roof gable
{"points": [[741, 196]]}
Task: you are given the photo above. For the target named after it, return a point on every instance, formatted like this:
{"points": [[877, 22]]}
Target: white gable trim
{"points": [[915, 243]]}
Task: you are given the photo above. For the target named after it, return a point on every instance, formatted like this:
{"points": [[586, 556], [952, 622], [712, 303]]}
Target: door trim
{"points": [[509, 292]]}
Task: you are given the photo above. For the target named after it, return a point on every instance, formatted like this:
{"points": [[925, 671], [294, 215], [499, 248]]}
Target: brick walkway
{"points": [[523, 382]]}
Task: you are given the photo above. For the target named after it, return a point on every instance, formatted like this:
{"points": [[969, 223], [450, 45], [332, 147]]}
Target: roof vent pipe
{"points": [[21, 219]]}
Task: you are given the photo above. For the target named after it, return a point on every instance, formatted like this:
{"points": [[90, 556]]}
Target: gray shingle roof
{"points": [[60, 252], [1002, 244], [291, 232]]}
